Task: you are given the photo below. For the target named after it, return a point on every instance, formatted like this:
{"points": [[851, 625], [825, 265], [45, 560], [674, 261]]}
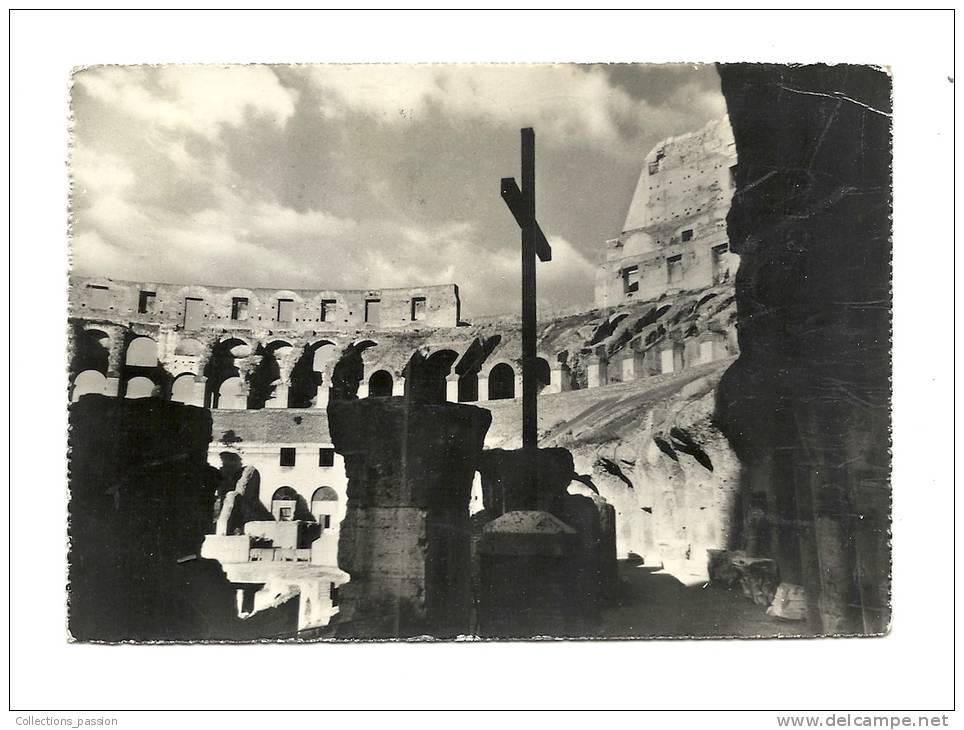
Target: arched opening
{"points": [[220, 368], [89, 381], [309, 373], [470, 365], [141, 353], [139, 387], [428, 376], [230, 396], [266, 377], [501, 382], [324, 506], [182, 389], [91, 350], [349, 371], [380, 384], [284, 502], [543, 374]]}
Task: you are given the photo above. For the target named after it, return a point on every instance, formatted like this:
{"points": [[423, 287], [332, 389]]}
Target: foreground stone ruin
{"points": [[405, 539], [806, 406]]}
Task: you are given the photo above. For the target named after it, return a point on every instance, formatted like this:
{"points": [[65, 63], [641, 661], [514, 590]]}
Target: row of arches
{"points": [[501, 382], [288, 505], [237, 374]]}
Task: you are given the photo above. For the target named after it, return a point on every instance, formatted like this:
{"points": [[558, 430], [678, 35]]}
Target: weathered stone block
{"points": [[406, 535], [757, 578], [789, 603], [529, 577]]}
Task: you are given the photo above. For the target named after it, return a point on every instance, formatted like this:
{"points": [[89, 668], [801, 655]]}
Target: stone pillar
{"points": [[398, 385], [559, 379], [483, 389], [112, 386], [597, 372], [200, 389], [321, 397], [518, 386], [405, 539], [628, 366], [452, 388], [362, 391], [279, 399]]}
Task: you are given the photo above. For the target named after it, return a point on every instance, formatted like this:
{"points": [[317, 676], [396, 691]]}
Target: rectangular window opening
{"points": [[687, 235], [326, 457], [418, 308], [328, 309], [372, 310], [287, 456], [286, 310], [145, 303], [630, 279], [239, 309], [721, 264], [674, 269]]}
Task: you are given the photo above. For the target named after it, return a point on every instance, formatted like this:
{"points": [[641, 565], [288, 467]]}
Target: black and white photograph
{"points": [[480, 355], [395, 351]]}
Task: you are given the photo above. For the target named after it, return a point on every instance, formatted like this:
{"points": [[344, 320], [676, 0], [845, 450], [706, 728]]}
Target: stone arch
{"points": [[222, 366], [543, 373], [182, 389], [284, 504], [501, 381], [141, 352], [91, 350], [349, 371], [380, 384], [86, 382], [470, 364], [311, 373], [230, 394], [140, 386], [266, 377], [426, 381], [324, 506]]}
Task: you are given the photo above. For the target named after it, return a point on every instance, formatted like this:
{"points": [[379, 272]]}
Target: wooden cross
{"points": [[522, 203]]}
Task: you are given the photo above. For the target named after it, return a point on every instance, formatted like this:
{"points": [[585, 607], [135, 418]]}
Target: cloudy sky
{"points": [[364, 176]]}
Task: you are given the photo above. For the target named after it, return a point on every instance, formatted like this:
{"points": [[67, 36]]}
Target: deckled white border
{"points": [[909, 669]]}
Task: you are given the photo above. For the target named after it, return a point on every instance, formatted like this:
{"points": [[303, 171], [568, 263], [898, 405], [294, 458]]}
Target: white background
{"points": [[909, 670]]}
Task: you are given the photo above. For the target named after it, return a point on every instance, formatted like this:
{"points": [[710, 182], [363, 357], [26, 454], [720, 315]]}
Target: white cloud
{"points": [[196, 98], [568, 102]]}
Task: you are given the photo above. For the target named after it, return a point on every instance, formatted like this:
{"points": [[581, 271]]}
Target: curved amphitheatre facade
{"points": [[234, 349]]}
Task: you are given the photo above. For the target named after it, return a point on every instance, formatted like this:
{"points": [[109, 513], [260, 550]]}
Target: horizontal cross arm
{"points": [[523, 216]]}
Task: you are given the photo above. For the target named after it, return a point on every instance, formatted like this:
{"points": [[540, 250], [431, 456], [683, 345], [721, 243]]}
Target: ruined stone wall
{"points": [[346, 309], [806, 406], [141, 500], [678, 210], [260, 368]]}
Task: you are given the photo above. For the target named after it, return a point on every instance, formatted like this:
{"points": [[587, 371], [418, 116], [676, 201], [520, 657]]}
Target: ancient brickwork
{"points": [[674, 237]]}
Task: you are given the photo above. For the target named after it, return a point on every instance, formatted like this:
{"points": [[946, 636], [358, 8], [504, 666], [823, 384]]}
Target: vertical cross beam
{"points": [[522, 203], [529, 385]]}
